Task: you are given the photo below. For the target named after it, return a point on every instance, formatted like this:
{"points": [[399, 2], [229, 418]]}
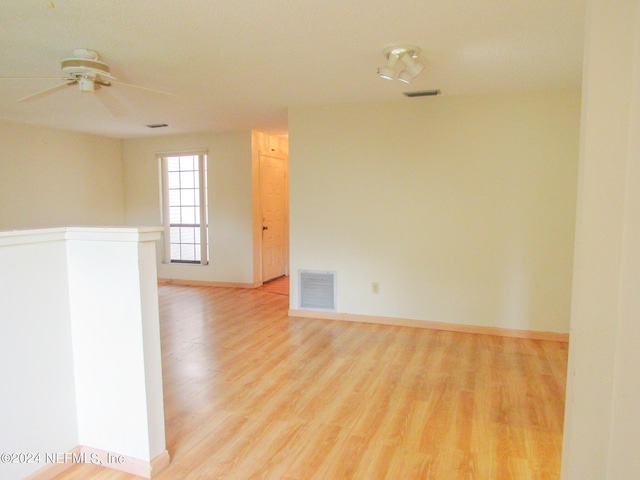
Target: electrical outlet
{"points": [[375, 288]]}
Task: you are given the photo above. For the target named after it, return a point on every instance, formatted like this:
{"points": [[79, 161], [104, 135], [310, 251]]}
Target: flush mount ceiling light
{"points": [[408, 55]]}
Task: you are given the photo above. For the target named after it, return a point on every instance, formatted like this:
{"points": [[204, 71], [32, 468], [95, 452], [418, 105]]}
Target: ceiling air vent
{"points": [[157, 125], [422, 93], [317, 290]]}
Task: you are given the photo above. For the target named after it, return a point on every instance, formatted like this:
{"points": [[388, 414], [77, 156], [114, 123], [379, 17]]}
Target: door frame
{"points": [[271, 146]]}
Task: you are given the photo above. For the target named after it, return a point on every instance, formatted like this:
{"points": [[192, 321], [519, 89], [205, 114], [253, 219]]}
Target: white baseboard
{"points": [[113, 461], [159, 463], [450, 327], [203, 283]]}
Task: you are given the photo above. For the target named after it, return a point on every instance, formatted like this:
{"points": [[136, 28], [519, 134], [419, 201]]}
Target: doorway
{"points": [[274, 204]]}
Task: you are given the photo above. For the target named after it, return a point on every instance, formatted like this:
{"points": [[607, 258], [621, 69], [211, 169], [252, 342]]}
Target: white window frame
{"points": [[203, 214]]}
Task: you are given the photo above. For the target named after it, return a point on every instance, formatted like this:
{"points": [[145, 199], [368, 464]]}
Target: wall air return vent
{"points": [[317, 290]]}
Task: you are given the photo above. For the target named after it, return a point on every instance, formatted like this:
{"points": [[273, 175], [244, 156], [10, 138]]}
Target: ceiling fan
{"points": [[89, 73]]}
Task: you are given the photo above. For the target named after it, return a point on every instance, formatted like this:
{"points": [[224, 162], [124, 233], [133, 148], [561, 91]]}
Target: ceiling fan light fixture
{"points": [[90, 74], [86, 84], [85, 53], [82, 66]]}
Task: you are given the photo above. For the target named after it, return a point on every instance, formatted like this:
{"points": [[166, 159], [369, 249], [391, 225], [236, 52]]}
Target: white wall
{"points": [[52, 177], [80, 346], [37, 404], [462, 207], [230, 201], [116, 342], [602, 422]]}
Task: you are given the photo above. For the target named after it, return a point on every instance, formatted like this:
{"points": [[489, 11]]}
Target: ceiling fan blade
{"points": [[42, 93], [31, 78], [114, 105], [105, 75], [142, 88]]}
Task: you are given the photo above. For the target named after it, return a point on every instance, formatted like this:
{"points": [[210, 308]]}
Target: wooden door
{"points": [[273, 203]]}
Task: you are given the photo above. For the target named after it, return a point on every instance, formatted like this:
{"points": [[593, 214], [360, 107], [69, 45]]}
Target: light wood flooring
{"points": [[278, 285], [253, 394]]}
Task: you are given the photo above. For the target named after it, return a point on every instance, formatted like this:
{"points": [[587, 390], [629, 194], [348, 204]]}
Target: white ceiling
{"points": [[239, 64]]}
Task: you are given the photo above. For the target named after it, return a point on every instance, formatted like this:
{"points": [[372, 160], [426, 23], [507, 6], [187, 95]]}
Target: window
{"points": [[184, 202]]}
